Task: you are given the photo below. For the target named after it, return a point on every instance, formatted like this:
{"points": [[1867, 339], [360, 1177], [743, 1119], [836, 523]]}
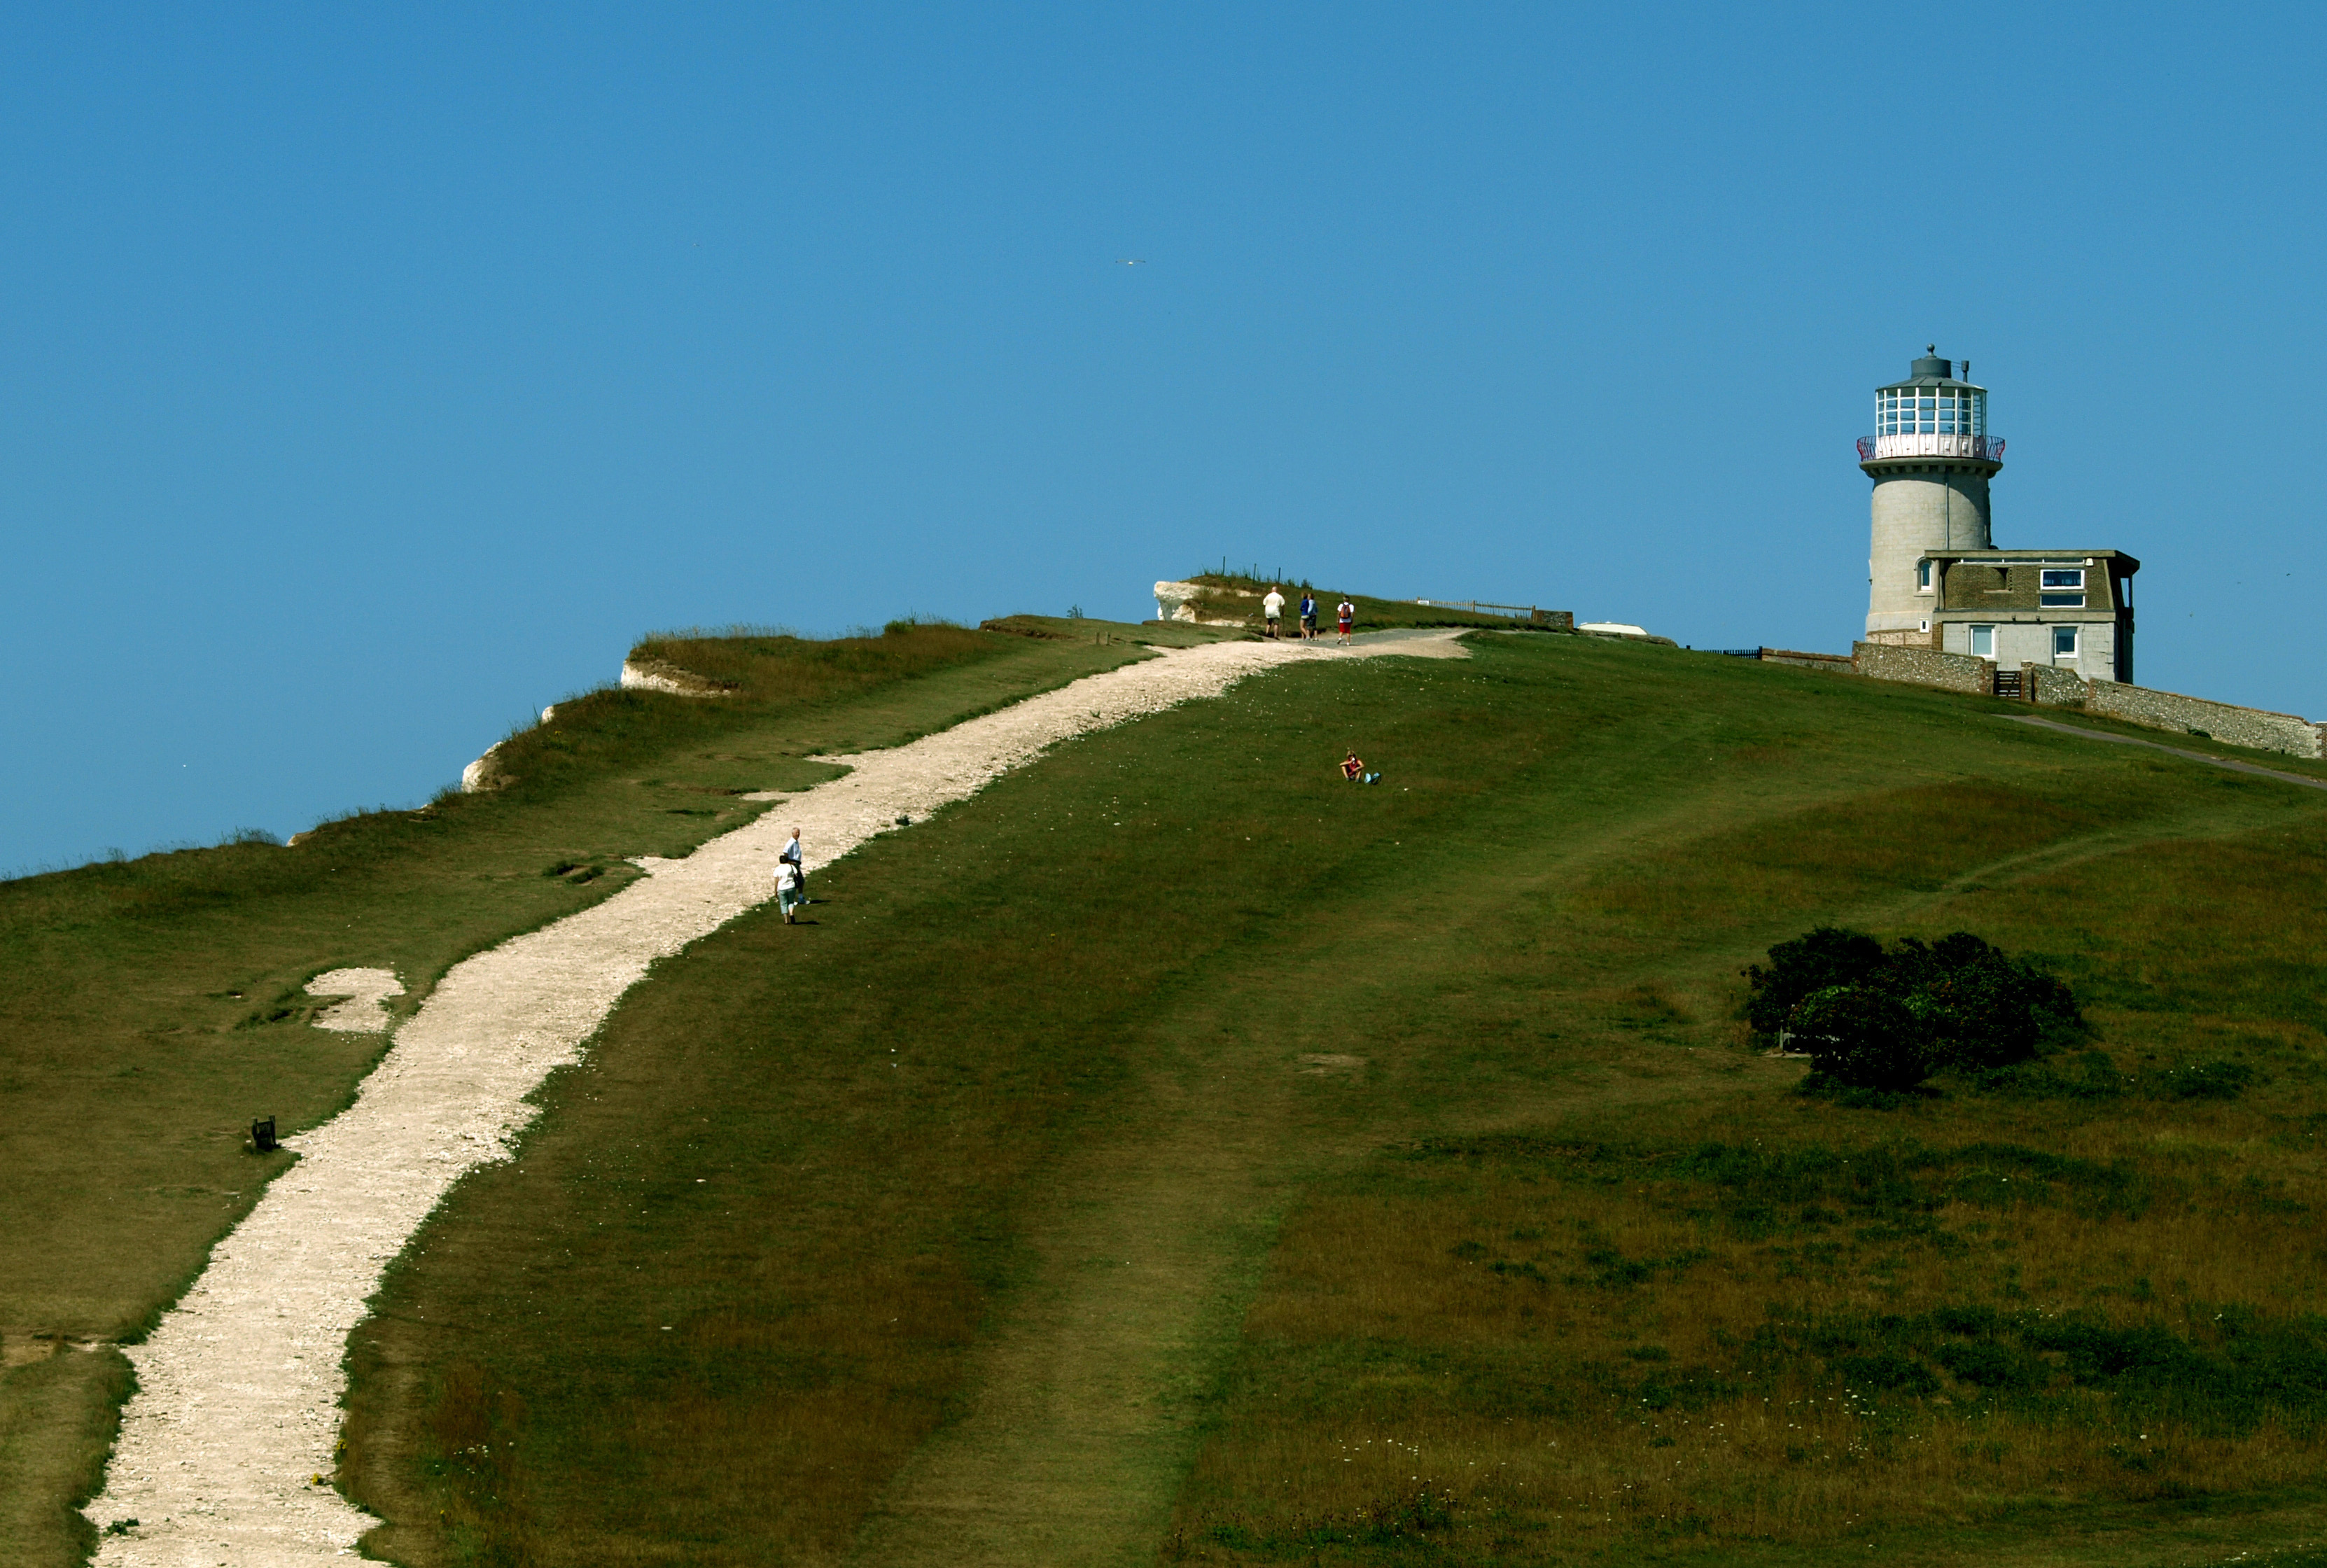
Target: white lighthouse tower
{"points": [[1930, 458]]}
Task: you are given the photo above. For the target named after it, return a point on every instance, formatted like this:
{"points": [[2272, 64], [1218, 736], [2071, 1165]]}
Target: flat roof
{"points": [[2009, 557]]}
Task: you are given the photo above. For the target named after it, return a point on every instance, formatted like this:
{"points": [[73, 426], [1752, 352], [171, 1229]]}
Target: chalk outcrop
{"points": [[1196, 605], [655, 674], [484, 773]]}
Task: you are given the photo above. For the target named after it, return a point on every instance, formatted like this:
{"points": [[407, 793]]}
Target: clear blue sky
{"points": [[375, 375]]}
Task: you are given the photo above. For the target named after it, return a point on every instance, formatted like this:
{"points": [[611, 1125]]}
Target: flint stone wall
{"points": [[2053, 687], [2257, 727], [1835, 663], [1954, 672]]}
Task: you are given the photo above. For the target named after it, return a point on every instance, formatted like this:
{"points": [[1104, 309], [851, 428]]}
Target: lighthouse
{"points": [[1930, 458], [1934, 577]]}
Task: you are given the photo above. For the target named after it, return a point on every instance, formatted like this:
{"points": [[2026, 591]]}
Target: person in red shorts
{"points": [[1351, 768], [1343, 618]]}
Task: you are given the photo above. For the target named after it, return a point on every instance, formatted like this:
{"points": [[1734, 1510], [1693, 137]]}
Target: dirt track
{"points": [[239, 1388]]}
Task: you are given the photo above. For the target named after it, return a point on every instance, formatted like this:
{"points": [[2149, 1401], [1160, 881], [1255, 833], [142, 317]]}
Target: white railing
{"points": [[1877, 448]]}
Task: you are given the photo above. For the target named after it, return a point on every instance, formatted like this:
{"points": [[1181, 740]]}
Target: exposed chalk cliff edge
{"points": [[655, 674], [638, 674], [1184, 602]]}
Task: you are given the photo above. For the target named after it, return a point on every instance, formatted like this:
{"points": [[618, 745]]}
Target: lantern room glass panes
{"points": [[1931, 411]]}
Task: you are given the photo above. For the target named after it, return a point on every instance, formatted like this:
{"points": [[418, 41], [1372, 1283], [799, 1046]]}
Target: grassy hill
{"points": [[149, 1009], [1238, 596], [1174, 1153]]}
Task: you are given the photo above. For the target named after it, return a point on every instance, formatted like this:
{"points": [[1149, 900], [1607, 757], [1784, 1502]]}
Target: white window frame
{"points": [[2076, 643], [2074, 579], [1924, 578], [1979, 634]]}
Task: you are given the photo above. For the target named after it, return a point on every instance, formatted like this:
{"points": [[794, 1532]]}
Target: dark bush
{"points": [[1978, 1010], [1862, 1037], [1825, 957]]}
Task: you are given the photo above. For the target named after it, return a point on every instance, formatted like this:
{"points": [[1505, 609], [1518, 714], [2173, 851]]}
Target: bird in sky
{"points": [[1131, 261]]}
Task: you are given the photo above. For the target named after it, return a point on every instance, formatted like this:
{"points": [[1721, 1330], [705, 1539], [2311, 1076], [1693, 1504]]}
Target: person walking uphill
{"points": [[1308, 615], [1343, 619], [787, 888], [793, 857], [1272, 609]]}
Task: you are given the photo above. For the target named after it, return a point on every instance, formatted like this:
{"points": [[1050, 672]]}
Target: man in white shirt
{"points": [[795, 858], [1273, 609]]}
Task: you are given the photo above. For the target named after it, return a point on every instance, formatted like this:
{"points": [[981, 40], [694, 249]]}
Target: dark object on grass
{"points": [[1977, 1008], [904, 822], [262, 1134], [1862, 1037]]}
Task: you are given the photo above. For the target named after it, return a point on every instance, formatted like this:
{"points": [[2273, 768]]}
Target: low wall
{"points": [[2063, 688], [1833, 663], [2053, 687], [1954, 672], [2226, 722]]}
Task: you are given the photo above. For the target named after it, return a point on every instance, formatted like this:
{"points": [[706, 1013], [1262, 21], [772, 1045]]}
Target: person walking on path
{"points": [[788, 888], [1308, 615], [1272, 609], [793, 857], [1343, 619]]}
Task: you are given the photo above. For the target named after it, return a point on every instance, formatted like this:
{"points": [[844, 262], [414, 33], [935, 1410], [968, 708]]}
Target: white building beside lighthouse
{"points": [[1934, 577]]}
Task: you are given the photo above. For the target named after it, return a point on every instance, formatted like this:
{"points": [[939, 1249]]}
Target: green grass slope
{"points": [[150, 1009], [1175, 1154]]}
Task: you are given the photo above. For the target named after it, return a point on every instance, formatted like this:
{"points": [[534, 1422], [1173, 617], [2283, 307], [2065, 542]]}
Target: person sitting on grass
{"points": [[1351, 768]]}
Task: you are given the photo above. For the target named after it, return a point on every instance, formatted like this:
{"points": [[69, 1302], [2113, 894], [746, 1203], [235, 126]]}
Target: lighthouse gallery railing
{"points": [[1985, 448]]}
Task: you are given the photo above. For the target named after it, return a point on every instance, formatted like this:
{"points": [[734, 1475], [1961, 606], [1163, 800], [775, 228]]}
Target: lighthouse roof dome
{"points": [[1931, 370]]}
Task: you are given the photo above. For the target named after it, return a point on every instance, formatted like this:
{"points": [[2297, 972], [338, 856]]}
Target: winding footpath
{"points": [[225, 1448]]}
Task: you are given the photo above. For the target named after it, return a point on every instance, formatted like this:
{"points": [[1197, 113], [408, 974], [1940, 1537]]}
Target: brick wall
{"points": [[2239, 726], [1954, 672]]}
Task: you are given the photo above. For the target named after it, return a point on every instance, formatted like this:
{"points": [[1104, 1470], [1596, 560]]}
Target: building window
{"points": [[2061, 588], [2064, 643], [1983, 642], [1922, 576]]}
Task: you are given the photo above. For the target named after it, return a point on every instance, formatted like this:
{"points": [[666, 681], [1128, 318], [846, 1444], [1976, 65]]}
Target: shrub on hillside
{"points": [[1864, 1037], [1826, 956], [1969, 1005]]}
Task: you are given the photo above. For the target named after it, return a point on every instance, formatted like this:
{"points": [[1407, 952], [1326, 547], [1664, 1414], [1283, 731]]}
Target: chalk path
{"points": [[224, 1447]]}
